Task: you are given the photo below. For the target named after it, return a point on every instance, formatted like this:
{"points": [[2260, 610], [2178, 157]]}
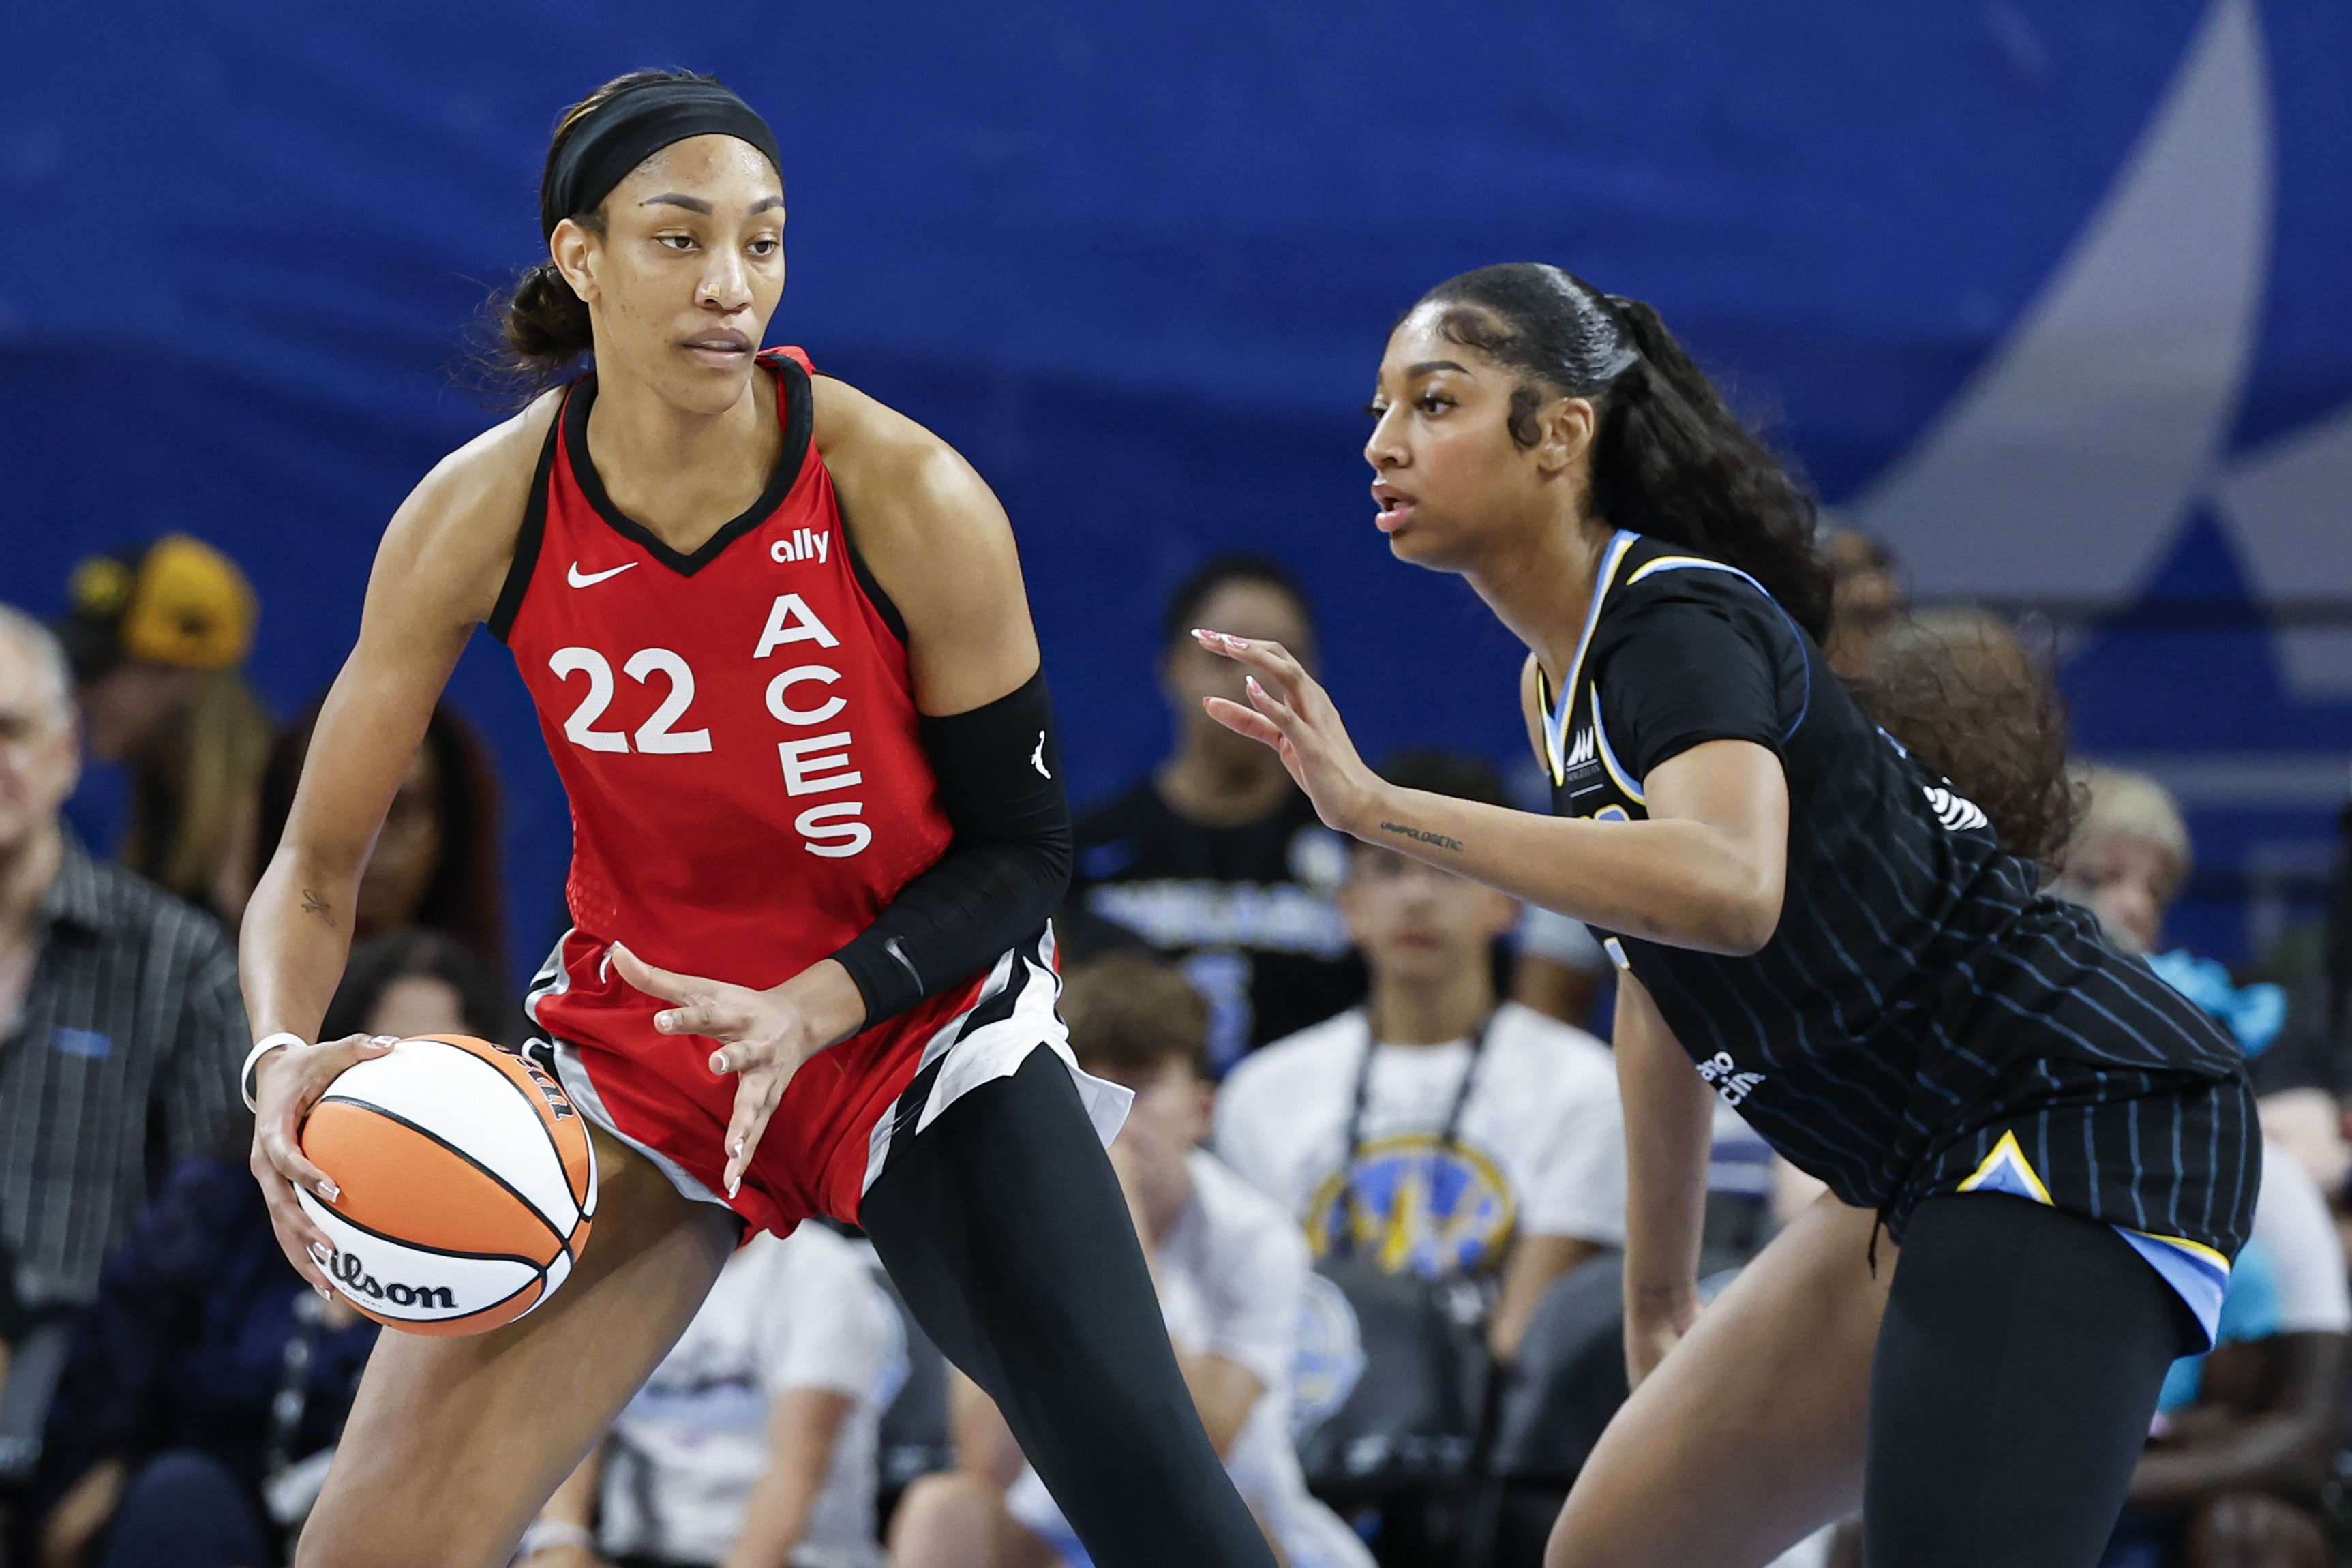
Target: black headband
{"points": [[626, 129]]}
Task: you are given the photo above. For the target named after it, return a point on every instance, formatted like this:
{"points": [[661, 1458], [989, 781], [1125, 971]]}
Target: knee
{"points": [[946, 1521], [1581, 1538], [2254, 1528]]}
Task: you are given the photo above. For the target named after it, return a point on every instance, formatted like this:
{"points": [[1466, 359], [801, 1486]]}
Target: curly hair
{"points": [[1968, 698]]}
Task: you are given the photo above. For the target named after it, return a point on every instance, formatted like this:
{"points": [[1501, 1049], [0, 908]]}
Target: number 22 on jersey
{"points": [[813, 764]]}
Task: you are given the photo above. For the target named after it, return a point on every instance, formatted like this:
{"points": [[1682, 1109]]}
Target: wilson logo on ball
{"points": [[352, 1276], [466, 1185]]}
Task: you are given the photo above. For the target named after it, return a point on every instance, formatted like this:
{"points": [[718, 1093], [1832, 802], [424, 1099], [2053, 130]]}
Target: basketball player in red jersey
{"points": [[783, 656]]}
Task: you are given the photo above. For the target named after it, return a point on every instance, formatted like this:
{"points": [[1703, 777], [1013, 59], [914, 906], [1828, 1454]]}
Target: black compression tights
{"points": [[2016, 1371], [1004, 1230]]}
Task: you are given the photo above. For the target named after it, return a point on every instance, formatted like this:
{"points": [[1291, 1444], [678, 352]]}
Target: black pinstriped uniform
{"points": [[1919, 1001]]}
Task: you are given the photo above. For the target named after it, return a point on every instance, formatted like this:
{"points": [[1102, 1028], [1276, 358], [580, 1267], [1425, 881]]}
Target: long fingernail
{"points": [[734, 1186], [718, 1062], [1251, 682], [321, 1255], [324, 1294], [736, 1149], [329, 1191]]}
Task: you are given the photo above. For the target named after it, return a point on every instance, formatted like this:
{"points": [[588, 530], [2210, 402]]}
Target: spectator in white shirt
{"points": [[1232, 1276], [1433, 1130], [752, 1444]]}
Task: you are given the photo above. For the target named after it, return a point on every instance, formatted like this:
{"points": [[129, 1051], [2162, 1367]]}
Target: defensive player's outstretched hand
{"points": [[1291, 712], [286, 1084], [763, 1035]]}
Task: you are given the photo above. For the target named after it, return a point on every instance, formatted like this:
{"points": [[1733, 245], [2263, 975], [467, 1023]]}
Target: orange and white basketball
{"points": [[466, 1179]]}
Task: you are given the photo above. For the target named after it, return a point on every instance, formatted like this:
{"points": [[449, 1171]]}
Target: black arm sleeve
{"points": [[1692, 657], [1000, 781]]}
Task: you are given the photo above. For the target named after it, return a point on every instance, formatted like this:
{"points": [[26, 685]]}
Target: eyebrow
{"points": [[1429, 366], [697, 204]]}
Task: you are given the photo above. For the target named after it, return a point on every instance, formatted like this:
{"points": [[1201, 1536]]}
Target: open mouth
{"points": [[1396, 508]]}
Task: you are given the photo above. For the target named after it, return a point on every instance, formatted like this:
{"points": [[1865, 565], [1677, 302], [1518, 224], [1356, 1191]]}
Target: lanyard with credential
{"points": [[1448, 1137]]}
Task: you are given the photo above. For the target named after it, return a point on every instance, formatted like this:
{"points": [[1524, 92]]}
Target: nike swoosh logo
{"points": [[579, 578]]}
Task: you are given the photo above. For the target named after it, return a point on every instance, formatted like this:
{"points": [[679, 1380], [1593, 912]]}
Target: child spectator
{"points": [[157, 636], [436, 862], [2129, 856], [1216, 859], [1232, 1276], [206, 1385], [753, 1443], [1433, 1130]]}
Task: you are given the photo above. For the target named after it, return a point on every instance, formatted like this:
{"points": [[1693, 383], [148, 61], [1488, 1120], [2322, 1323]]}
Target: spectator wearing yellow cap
{"points": [[158, 635]]}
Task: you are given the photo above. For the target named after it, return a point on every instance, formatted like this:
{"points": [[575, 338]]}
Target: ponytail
{"points": [[1672, 461], [542, 325], [1669, 459]]}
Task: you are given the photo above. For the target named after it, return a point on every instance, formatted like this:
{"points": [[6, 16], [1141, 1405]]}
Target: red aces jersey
{"points": [[737, 732]]}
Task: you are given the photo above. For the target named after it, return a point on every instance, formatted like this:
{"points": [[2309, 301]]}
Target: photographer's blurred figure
{"points": [[157, 634], [1232, 1274]]}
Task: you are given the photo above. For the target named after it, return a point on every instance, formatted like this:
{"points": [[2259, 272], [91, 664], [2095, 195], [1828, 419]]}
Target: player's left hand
{"points": [[1289, 711], [763, 1035]]}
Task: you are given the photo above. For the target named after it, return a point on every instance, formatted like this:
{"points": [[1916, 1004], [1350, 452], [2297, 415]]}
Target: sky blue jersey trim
{"points": [[1555, 727], [2197, 1275]]}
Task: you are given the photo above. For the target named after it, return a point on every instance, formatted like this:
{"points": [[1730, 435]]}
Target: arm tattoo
{"points": [[312, 904], [1435, 840]]}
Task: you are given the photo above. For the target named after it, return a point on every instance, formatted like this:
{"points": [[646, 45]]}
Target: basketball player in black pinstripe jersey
{"points": [[2058, 1151]]}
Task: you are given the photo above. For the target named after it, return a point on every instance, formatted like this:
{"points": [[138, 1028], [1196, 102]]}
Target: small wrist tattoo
{"points": [[1435, 840], [312, 904]]}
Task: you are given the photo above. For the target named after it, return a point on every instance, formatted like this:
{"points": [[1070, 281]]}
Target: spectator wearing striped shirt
{"points": [[120, 1027]]}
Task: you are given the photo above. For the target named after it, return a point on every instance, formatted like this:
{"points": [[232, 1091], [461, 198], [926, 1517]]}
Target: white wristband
{"points": [[545, 1534], [262, 1047]]}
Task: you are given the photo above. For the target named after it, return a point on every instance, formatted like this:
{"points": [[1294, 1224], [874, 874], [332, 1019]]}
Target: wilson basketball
{"points": [[467, 1182]]}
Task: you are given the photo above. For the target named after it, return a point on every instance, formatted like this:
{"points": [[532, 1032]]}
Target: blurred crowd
{"points": [[1376, 1157]]}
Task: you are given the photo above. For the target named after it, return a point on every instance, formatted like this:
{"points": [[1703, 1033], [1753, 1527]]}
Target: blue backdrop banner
{"points": [[2050, 295]]}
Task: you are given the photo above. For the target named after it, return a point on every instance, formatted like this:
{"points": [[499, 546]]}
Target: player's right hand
{"points": [[287, 1083], [1646, 1345], [763, 1037], [1655, 1322]]}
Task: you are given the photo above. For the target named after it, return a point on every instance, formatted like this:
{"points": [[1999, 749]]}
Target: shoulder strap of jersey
{"points": [[534, 529], [798, 356], [1674, 561]]}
